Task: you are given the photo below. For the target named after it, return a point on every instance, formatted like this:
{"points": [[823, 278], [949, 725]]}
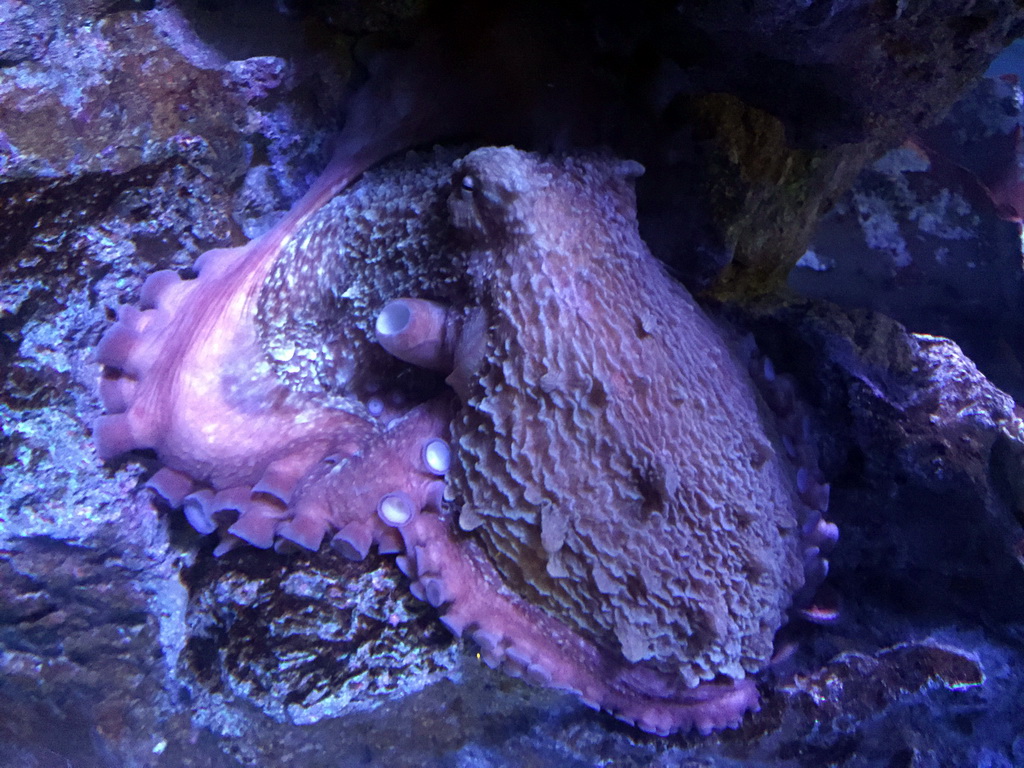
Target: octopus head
{"points": [[493, 194]]}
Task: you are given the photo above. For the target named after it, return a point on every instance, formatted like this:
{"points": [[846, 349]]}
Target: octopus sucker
{"points": [[472, 361]]}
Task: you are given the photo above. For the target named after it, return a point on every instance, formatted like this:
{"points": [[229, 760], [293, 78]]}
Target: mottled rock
{"points": [[24, 32], [917, 444], [308, 638], [920, 237], [801, 96]]}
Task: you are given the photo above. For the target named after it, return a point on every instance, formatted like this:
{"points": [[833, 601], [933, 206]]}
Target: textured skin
{"points": [[243, 425], [387, 236], [618, 521], [612, 452]]}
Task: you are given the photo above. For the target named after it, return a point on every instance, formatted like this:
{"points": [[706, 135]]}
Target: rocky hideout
{"points": [[588, 482]]}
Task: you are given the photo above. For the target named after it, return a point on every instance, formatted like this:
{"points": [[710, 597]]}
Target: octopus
{"points": [[473, 362]]}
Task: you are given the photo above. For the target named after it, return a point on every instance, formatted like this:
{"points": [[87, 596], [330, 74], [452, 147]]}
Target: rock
{"points": [[924, 455], [921, 238], [25, 34]]}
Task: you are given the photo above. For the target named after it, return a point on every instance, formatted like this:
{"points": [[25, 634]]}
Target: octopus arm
{"points": [[457, 577], [184, 375]]}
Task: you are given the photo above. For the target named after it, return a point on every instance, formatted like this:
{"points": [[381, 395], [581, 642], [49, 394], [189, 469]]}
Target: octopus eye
{"points": [[480, 203], [464, 203]]}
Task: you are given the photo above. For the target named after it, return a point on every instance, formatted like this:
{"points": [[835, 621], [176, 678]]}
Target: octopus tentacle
{"points": [[457, 578], [814, 601], [184, 375], [359, 499], [173, 487], [436, 337], [148, 351]]}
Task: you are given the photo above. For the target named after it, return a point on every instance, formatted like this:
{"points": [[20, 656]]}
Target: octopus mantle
{"points": [[476, 363]]}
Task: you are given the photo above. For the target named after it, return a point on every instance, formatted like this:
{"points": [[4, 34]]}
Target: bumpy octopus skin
{"points": [[596, 495]]}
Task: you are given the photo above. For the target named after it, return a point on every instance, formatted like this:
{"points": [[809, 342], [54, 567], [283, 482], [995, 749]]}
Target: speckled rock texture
{"points": [[921, 236], [951, 451], [828, 86], [123, 642]]}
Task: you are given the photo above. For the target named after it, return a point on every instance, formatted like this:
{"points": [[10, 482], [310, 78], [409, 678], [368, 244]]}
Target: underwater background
{"points": [[842, 180]]}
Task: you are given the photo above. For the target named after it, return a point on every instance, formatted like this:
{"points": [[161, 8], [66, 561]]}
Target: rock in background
{"points": [[927, 236], [135, 135]]}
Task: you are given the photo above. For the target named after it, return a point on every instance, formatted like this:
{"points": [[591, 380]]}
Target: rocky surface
{"points": [[136, 135], [925, 235]]}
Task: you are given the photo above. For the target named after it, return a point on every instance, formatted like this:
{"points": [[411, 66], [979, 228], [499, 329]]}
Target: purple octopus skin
{"points": [[596, 494]]}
